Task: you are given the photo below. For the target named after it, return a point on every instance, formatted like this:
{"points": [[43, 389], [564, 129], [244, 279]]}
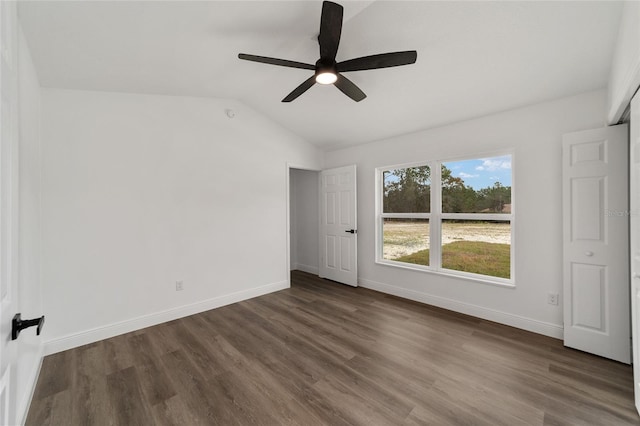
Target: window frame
{"points": [[436, 217]]}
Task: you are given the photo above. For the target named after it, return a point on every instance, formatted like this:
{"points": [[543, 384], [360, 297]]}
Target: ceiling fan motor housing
{"points": [[325, 67]]}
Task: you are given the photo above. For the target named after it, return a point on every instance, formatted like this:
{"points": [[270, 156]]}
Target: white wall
{"points": [[143, 190], [304, 220], [534, 134], [625, 68], [30, 226]]}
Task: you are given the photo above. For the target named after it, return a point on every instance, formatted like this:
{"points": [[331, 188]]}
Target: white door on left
{"points": [[8, 209], [338, 225]]}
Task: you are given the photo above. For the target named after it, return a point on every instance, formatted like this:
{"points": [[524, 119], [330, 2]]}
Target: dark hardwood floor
{"points": [[323, 353]]}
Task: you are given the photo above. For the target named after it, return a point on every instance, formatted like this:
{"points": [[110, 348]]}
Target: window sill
{"points": [[482, 279]]}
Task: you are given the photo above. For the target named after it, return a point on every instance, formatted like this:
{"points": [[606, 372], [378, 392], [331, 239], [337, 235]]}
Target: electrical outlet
{"points": [[179, 285], [552, 298]]}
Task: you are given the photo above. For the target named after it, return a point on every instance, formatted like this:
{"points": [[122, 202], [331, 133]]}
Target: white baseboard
{"points": [[307, 268], [100, 333], [540, 327], [32, 380]]}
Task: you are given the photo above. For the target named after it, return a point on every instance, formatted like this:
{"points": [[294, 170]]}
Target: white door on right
{"points": [[634, 204], [596, 242]]}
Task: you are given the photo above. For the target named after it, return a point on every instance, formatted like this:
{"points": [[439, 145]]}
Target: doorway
{"points": [[303, 220]]}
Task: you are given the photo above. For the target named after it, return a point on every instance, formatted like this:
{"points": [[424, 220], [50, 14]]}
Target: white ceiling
{"points": [[474, 58]]}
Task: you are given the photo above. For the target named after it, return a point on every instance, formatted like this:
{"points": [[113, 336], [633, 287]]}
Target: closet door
{"points": [[634, 201], [596, 242]]}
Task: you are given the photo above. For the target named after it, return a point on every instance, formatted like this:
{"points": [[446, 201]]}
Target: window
{"points": [[452, 217], [406, 201]]}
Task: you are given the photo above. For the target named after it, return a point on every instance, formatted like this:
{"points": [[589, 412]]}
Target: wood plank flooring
{"points": [[321, 353]]}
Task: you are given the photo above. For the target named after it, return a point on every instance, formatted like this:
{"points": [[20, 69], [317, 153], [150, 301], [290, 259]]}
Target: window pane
{"points": [[407, 190], [406, 240], [481, 247], [477, 186]]}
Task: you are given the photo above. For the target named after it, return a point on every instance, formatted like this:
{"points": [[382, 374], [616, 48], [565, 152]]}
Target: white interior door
{"points": [[634, 234], [8, 206], [596, 242], [338, 225]]}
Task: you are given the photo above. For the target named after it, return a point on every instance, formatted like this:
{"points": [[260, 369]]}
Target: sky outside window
{"points": [[483, 172]]}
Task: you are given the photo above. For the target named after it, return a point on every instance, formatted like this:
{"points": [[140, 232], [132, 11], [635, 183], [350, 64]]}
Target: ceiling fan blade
{"points": [[275, 61], [306, 85], [383, 60], [330, 30], [347, 87]]}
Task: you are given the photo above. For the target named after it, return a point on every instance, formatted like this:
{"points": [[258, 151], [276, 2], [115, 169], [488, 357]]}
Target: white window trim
{"points": [[436, 217]]}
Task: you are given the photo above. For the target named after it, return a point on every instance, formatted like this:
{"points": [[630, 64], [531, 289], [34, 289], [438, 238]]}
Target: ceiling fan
{"points": [[327, 70]]}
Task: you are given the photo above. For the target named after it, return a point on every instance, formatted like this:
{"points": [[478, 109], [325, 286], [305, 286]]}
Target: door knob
{"points": [[18, 324], [588, 253], [351, 231]]}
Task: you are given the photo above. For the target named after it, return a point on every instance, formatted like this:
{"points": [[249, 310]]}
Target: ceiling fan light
{"points": [[326, 77]]}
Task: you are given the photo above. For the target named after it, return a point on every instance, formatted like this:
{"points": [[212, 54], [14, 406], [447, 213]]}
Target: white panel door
{"points": [[8, 206], [596, 241], [634, 201], [338, 225]]}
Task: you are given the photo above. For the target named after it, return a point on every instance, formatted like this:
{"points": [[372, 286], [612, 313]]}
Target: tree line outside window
{"points": [[408, 190]]}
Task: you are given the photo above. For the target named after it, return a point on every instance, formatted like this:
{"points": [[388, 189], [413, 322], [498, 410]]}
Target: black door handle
{"points": [[351, 231], [18, 324]]}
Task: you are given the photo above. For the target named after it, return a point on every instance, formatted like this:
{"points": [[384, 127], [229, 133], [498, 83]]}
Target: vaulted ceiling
{"points": [[474, 58]]}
